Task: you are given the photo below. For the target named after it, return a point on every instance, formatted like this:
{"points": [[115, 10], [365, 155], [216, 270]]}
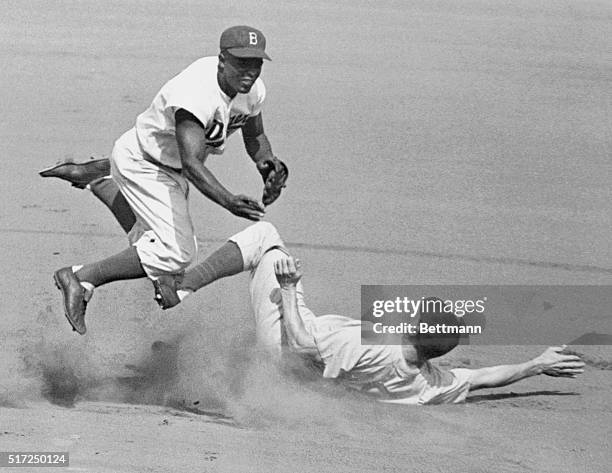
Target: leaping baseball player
{"points": [[153, 164]]}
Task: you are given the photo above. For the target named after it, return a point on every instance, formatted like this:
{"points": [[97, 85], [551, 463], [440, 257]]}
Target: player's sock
{"points": [[122, 266], [108, 192], [89, 287], [182, 293], [226, 261]]}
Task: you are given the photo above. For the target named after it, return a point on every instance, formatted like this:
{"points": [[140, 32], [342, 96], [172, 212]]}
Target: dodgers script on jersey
{"points": [[196, 90]]}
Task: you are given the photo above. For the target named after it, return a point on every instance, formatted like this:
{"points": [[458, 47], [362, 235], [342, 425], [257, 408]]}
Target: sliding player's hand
{"points": [[558, 364], [288, 271]]}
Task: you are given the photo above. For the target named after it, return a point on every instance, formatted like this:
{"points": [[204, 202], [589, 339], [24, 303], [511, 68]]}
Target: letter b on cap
{"points": [[252, 38]]}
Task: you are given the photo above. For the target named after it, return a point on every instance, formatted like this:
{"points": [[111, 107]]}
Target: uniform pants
{"points": [[261, 245], [163, 233]]}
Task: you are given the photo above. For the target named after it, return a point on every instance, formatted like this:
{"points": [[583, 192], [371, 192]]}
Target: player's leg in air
{"points": [[94, 175], [162, 240]]}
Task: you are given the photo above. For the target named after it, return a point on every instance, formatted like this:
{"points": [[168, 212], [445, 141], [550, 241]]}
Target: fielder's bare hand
{"points": [[553, 362], [246, 207], [288, 271]]}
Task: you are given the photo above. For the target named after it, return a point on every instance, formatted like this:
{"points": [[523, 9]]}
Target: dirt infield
{"points": [[429, 143]]}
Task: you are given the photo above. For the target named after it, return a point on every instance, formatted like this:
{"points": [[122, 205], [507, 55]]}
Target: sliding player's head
{"points": [[433, 343]]}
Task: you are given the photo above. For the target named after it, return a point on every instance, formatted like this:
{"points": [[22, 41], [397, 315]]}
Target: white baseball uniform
{"points": [[146, 163], [379, 370]]}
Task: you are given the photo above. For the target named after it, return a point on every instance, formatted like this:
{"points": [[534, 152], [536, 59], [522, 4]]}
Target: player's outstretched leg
{"points": [[261, 246], [79, 174], [94, 175], [242, 252], [225, 261], [107, 191]]}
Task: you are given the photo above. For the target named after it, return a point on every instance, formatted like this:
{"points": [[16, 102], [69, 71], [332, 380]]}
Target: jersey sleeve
{"points": [[258, 99], [192, 90], [202, 109], [444, 387]]}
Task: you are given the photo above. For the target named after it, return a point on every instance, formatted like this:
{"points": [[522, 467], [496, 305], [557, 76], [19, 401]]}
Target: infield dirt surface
{"points": [[432, 142]]}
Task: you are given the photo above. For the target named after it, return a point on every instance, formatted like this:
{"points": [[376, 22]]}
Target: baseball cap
{"points": [[244, 41]]}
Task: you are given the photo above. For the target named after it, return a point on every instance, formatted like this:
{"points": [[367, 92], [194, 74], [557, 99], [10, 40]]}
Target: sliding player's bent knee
{"points": [[267, 235], [255, 240]]}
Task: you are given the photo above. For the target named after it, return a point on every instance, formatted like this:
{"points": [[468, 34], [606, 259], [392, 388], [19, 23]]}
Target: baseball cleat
{"points": [[165, 291], [79, 174], [75, 298]]}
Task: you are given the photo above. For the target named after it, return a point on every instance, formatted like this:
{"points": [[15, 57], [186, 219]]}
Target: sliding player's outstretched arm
{"points": [[553, 362]]}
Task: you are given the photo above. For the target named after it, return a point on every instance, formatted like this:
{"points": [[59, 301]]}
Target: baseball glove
{"points": [[274, 173]]}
